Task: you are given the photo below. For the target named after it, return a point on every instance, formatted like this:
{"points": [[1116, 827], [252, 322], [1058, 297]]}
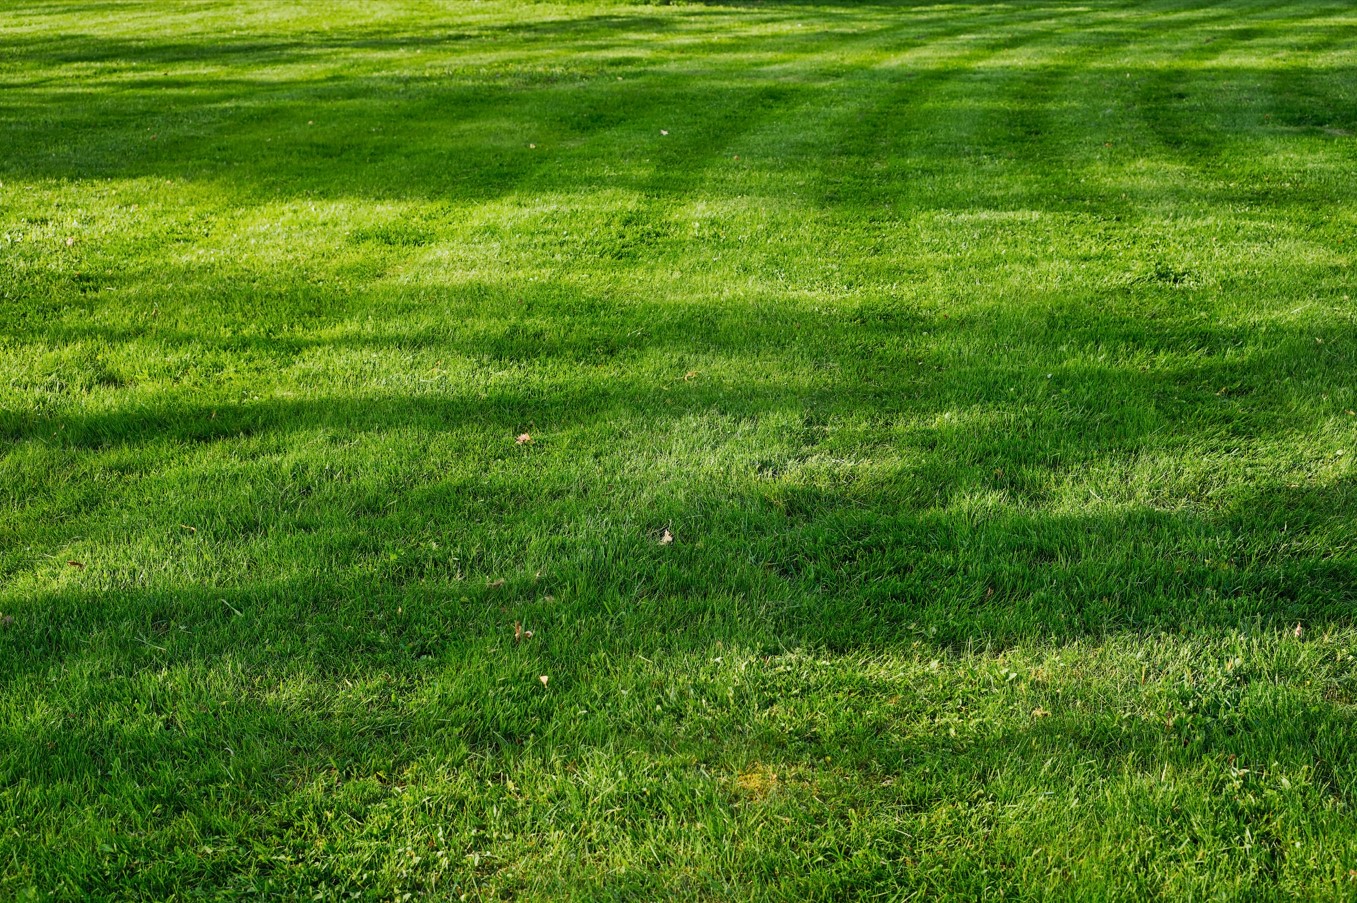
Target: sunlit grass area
{"points": [[774, 450]]}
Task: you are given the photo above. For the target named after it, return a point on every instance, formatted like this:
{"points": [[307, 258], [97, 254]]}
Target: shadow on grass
{"points": [[459, 128], [291, 619], [460, 134], [964, 535]]}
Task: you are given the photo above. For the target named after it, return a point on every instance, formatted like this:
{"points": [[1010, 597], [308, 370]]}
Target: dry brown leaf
{"points": [[523, 439], [1298, 631], [667, 538], [544, 679], [1039, 712], [76, 564]]}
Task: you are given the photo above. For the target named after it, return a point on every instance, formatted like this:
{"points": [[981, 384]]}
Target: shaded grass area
{"points": [[988, 364]]}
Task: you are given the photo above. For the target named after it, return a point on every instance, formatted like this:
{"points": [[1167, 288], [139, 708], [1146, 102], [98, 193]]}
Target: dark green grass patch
{"points": [[917, 439]]}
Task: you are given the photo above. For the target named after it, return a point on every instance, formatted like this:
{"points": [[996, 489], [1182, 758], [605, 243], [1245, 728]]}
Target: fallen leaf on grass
{"points": [[188, 528], [1298, 631], [544, 679], [1039, 712], [664, 131], [495, 584], [523, 439], [667, 538], [520, 634], [76, 564]]}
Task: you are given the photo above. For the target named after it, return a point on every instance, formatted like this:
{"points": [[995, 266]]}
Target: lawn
{"points": [[770, 451]]}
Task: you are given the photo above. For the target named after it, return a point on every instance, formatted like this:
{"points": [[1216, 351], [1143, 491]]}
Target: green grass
{"points": [[990, 364]]}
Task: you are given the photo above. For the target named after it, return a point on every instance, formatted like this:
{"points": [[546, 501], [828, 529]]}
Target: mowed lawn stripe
{"points": [[484, 450]]}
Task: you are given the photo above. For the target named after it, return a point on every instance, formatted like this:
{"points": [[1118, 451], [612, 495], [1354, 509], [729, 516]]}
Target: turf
{"points": [[918, 438]]}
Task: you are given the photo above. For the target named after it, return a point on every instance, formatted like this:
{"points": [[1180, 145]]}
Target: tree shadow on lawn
{"points": [[870, 499], [463, 134], [328, 636], [259, 758], [769, 569], [287, 43], [578, 360], [249, 712]]}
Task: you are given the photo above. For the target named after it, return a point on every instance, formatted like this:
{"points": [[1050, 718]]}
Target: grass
{"points": [[989, 364]]}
